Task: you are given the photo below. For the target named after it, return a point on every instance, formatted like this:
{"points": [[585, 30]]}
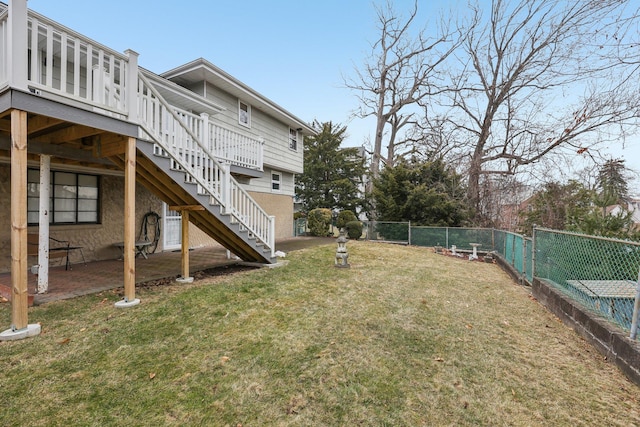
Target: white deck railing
{"points": [[234, 147], [66, 63], [177, 134], [4, 49]]}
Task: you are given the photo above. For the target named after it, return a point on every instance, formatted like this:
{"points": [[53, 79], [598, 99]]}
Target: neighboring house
{"points": [[633, 206], [118, 141]]}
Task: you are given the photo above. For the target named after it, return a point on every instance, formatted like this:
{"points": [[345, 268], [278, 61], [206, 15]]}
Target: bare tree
{"points": [[401, 71], [538, 77]]}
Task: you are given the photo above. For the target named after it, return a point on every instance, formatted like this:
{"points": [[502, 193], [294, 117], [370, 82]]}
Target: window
{"points": [[275, 182], [74, 198], [293, 139], [244, 114]]}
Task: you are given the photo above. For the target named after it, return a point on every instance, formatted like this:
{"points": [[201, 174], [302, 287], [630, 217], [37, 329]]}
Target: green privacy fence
{"points": [[516, 250], [387, 231], [459, 237]]}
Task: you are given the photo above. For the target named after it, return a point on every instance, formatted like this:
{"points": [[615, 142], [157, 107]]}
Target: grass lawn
{"points": [[404, 337]]}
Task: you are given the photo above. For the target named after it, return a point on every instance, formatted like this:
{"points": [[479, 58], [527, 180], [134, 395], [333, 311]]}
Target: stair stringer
{"points": [[150, 171]]}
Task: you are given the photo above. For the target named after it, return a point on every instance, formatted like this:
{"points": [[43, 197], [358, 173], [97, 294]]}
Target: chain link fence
{"points": [[599, 273]]}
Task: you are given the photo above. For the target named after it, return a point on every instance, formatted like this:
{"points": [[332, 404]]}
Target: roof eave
{"points": [[201, 69]]}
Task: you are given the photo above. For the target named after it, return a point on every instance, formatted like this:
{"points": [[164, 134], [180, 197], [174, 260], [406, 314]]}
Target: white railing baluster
{"points": [[76, 68], [89, 74], [35, 52], [63, 63], [186, 132], [48, 58], [4, 48]]}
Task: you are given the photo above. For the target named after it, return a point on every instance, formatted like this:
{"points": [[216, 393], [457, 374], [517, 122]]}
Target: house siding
{"points": [[277, 153]]}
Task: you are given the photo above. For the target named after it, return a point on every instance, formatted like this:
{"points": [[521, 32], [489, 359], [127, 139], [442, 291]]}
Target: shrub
{"points": [[354, 229], [344, 217], [318, 221]]}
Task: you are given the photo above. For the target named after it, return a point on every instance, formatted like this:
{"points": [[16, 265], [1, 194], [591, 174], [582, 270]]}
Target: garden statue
{"points": [[341, 254]]}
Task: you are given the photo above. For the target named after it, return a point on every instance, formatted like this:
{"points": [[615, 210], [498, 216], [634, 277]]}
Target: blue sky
{"points": [[293, 52]]}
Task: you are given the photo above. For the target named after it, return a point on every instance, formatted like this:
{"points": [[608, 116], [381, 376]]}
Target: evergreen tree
{"points": [[574, 207], [425, 193], [612, 184], [332, 175], [557, 206], [611, 189]]}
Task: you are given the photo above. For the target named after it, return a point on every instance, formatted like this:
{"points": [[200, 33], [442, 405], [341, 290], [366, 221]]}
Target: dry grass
{"points": [[404, 337]]}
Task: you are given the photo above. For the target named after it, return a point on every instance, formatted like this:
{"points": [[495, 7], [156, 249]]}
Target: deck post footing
{"points": [[125, 303], [31, 330]]}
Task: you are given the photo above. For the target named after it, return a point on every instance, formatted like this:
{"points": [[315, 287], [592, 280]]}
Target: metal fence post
{"points": [[636, 308], [533, 253], [446, 237], [524, 256], [493, 239]]}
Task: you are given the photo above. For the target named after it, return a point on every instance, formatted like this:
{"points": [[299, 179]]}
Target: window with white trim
{"points": [[276, 182], [293, 139], [74, 198], [244, 114]]}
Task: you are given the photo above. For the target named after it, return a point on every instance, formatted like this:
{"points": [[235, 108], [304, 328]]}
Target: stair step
{"points": [[244, 241]]}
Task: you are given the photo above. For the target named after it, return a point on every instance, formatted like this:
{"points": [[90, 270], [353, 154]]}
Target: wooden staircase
{"points": [[176, 163], [174, 187]]}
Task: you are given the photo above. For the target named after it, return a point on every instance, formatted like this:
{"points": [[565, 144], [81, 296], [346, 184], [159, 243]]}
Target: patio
{"points": [[98, 276]]}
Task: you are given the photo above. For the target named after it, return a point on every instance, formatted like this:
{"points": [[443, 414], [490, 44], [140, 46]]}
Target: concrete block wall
{"points": [[612, 342]]}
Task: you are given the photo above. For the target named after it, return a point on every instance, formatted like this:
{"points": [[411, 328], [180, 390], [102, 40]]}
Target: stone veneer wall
{"points": [[274, 204], [282, 207], [96, 239]]}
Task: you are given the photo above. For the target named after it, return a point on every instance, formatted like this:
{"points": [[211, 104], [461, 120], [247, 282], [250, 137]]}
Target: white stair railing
{"points": [[178, 135]]}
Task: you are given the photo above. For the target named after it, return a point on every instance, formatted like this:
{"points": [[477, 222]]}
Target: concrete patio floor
{"points": [[98, 276]]}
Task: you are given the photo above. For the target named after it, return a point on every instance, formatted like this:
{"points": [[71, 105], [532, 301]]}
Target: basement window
{"points": [[74, 198]]}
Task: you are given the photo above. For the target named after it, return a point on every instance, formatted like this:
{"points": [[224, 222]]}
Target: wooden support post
{"points": [[184, 212], [129, 226], [19, 292], [185, 245]]}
